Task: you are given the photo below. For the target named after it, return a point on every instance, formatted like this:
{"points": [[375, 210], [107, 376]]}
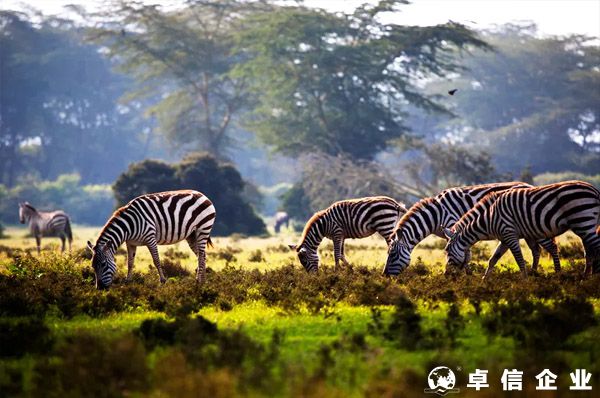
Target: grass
{"points": [[261, 326]]}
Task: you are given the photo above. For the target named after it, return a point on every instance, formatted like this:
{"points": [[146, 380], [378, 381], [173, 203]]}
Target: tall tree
{"points": [[340, 83], [534, 101], [181, 61], [58, 111]]}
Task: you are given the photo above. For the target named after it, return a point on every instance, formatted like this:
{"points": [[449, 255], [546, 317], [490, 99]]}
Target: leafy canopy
{"points": [[340, 83]]}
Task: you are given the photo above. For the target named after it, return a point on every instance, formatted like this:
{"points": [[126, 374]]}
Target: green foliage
{"points": [[339, 83], [533, 102], [535, 325], [144, 177], [53, 123], [85, 204], [219, 181], [295, 202], [180, 60], [292, 337]]}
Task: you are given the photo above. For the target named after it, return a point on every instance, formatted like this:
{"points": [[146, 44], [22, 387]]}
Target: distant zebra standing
{"points": [[281, 218], [347, 219], [46, 223], [531, 213], [432, 215], [150, 220]]}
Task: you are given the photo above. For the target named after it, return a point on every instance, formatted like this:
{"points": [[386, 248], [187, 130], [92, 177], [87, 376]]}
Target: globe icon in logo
{"points": [[441, 381]]}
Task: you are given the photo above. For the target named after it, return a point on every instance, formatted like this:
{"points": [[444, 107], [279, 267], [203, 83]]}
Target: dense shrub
{"points": [[144, 177], [540, 327], [219, 181], [23, 335]]}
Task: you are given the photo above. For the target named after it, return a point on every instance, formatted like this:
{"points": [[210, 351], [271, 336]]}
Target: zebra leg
{"points": [[535, 253], [153, 248], [337, 249], [201, 271], [550, 246], [38, 242], [591, 246], [498, 253], [62, 239], [513, 245], [198, 246], [346, 263], [131, 249]]}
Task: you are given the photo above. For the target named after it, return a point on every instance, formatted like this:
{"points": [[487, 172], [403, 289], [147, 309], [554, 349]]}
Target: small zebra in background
{"points": [[281, 218], [347, 219], [531, 213], [150, 220], [46, 223], [432, 215]]}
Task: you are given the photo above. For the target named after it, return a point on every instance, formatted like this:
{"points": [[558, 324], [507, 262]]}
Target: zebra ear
{"points": [[449, 233], [90, 246], [293, 247]]}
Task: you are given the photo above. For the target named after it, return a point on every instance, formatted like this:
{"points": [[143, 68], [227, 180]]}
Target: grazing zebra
{"points": [[347, 219], [281, 218], [150, 220], [432, 215], [48, 223], [531, 213]]}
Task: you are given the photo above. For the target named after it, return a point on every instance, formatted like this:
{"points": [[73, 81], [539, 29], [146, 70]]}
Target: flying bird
{"points": [[451, 92]]}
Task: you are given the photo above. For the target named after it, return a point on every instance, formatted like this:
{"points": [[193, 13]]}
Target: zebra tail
{"points": [[209, 243], [68, 230]]}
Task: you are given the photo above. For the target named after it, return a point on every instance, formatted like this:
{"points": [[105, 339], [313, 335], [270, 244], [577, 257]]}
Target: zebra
{"points": [[431, 215], [150, 220], [531, 213], [49, 223], [347, 219], [281, 218]]}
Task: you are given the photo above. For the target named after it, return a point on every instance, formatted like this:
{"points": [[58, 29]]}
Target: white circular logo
{"points": [[441, 381]]}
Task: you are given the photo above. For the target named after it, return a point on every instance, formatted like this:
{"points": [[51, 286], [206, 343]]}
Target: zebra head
{"points": [[398, 257], [25, 210], [308, 258], [103, 263], [456, 253]]}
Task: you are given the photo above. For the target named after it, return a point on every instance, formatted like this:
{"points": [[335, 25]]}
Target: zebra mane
{"points": [[470, 215], [29, 206], [415, 209], [309, 224], [116, 214]]}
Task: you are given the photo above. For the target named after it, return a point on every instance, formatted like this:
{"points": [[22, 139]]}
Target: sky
{"points": [[553, 17]]}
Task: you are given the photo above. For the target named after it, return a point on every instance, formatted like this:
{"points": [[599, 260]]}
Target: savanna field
{"points": [[262, 326]]}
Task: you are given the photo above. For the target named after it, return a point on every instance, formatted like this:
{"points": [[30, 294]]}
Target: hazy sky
{"points": [[557, 17]]}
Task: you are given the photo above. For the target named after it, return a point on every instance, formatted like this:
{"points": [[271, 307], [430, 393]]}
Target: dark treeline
{"points": [[343, 95]]}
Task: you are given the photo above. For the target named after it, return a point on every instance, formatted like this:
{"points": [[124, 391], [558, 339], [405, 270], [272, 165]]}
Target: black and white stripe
{"points": [[46, 223], [530, 213], [150, 220], [432, 215], [347, 219]]}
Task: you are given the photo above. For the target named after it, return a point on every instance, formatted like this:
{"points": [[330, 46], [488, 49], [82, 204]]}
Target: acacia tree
{"points": [[340, 83], [181, 61], [534, 101]]}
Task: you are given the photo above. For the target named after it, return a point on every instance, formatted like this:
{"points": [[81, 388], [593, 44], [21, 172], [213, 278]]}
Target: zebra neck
{"points": [[313, 238], [431, 219], [112, 236]]}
